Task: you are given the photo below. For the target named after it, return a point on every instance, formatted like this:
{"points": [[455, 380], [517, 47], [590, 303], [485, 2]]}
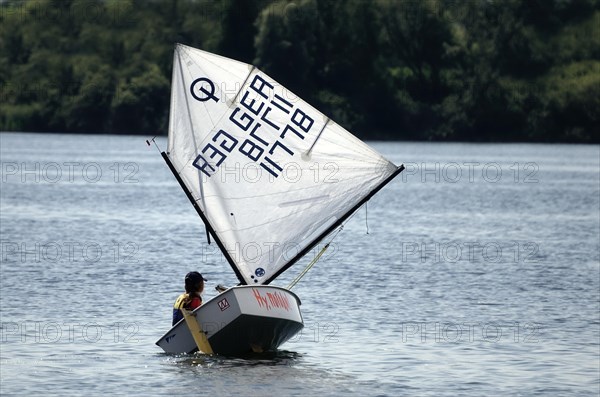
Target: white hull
{"points": [[240, 320]]}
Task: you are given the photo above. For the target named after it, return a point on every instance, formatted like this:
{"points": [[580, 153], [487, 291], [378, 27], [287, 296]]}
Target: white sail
{"points": [[270, 173]]}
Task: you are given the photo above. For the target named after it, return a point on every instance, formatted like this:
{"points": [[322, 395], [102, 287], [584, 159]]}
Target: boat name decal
{"points": [[254, 116], [271, 300]]}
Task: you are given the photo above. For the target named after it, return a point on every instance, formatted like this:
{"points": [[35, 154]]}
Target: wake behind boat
{"points": [[262, 168]]}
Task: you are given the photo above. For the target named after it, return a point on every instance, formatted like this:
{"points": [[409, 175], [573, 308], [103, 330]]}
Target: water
{"points": [[479, 275]]}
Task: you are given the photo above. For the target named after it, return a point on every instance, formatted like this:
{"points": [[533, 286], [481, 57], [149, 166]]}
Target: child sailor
{"points": [[191, 299]]}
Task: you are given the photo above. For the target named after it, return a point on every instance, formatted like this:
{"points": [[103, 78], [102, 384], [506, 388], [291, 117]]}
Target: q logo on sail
{"points": [[210, 93]]}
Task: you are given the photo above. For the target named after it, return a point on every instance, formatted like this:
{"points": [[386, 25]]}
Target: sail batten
{"points": [[318, 137], [269, 174]]}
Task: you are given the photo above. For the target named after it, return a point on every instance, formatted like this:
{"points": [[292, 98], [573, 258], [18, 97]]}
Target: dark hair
{"points": [[193, 282]]}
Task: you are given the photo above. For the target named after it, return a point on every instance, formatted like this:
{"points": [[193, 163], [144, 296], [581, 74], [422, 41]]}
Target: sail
{"points": [[270, 174]]}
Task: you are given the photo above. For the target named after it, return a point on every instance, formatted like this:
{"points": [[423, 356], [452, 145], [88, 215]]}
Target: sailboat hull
{"points": [[240, 320]]}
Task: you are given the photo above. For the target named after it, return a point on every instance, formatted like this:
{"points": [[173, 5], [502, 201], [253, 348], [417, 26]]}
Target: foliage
{"points": [[513, 70]]}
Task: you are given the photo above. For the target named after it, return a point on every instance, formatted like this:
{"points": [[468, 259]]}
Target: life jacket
{"points": [[187, 302]]}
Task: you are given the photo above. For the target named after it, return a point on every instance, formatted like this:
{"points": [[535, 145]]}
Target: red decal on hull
{"points": [[273, 299], [262, 301]]}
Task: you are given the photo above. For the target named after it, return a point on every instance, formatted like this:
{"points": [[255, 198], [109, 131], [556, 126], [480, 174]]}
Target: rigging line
{"points": [[155, 144], [310, 265], [315, 260], [367, 216]]}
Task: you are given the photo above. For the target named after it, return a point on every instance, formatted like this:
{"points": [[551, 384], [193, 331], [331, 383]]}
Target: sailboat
{"points": [[271, 177]]}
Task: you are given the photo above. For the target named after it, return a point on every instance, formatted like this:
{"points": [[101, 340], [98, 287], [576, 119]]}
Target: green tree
{"points": [[89, 110], [285, 43], [237, 29], [416, 40], [139, 104], [396, 69]]}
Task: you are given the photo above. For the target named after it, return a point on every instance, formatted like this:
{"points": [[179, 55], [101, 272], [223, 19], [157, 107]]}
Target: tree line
{"points": [[473, 70]]}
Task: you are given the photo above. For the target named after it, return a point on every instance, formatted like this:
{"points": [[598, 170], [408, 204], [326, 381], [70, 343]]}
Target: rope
{"points": [[367, 216], [315, 260], [310, 265]]}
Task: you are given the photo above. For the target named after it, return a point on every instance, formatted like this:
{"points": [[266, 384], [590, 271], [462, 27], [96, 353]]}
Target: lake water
{"points": [[479, 275]]}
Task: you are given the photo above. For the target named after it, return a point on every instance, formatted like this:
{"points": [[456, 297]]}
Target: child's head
{"points": [[194, 282]]}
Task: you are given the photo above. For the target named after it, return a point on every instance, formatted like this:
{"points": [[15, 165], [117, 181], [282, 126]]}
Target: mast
{"points": [[335, 225], [209, 228]]}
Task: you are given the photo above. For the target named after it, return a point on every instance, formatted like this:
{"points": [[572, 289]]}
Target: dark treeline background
{"points": [[510, 70]]}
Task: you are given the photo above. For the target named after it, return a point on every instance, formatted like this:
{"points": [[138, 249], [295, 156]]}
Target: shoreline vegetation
{"points": [[148, 136], [438, 70]]}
